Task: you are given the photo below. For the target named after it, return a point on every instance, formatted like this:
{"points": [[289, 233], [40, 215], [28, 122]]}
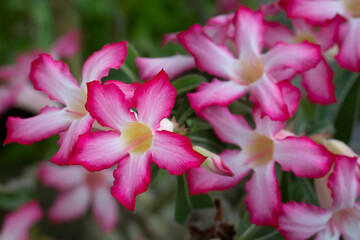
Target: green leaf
{"points": [[184, 203], [309, 191], [348, 110], [188, 83], [248, 231], [12, 200], [206, 139]]}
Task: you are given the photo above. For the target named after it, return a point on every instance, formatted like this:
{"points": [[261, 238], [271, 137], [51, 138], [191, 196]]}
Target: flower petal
{"points": [[49, 122], [107, 104], [301, 220], [67, 45], [154, 100], [202, 181], [291, 96], [17, 224], [268, 95], [313, 11], [105, 209], [263, 196], [349, 47], [207, 54], [98, 150], [132, 177], [276, 32], [173, 66], [7, 99], [300, 57], [249, 32], [60, 177], [54, 78], [127, 89], [70, 205], [302, 156], [351, 229], [174, 152], [99, 63], [264, 125], [169, 37], [343, 182], [318, 83], [228, 127], [225, 91], [69, 138]]}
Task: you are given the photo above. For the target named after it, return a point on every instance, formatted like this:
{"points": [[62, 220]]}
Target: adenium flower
{"points": [[53, 78], [340, 218], [18, 90], [17, 224], [321, 11], [260, 149], [135, 140], [317, 81], [249, 70], [78, 189]]}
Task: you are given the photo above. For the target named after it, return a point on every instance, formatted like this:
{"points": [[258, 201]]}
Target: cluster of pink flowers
{"points": [[113, 124]]}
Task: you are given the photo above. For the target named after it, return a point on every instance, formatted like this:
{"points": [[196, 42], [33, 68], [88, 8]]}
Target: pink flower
{"points": [[248, 70], [54, 78], [17, 224], [340, 218], [78, 189], [260, 149], [136, 139], [17, 89], [321, 11], [318, 81]]}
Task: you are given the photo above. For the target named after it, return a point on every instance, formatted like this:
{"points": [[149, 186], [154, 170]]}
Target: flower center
{"points": [[260, 150], [353, 6], [251, 70], [77, 106], [138, 138], [299, 38]]}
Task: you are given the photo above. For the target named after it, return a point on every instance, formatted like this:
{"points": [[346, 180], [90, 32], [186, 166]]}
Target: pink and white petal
{"points": [[265, 126], [301, 26], [291, 96], [98, 150], [300, 57], [284, 74], [343, 182], [127, 89], [70, 205], [54, 78], [313, 11], [169, 37], [301, 221], [326, 35], [59, 177], [276, 32], [17, 224], [99, 63], [351, 229], [8, 72], [225, 91], [228, 127], [154, 100], [7, 99], [107, 105], [349, 47], [132, 177], [173, 66], [69, 138], [67, 45], [302, 156], [49, 122], [105, 209], [329, 233], [318, 83], [201, 181], [263, 196], [207, 54], [29, 99], [249, 32], [174, 152], [271, 8], [268, 95]]}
